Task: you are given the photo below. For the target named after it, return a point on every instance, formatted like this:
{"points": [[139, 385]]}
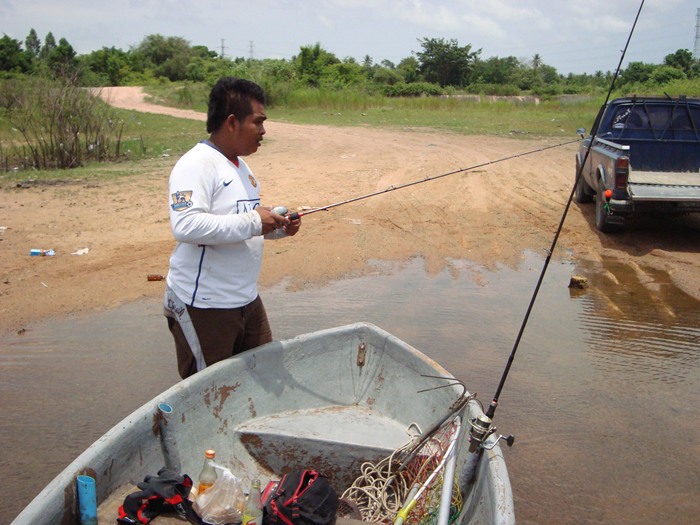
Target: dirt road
{"points": [[489, 215]]}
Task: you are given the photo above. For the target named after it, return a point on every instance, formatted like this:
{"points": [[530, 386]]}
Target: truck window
{"points": [[638, 119], [680, 121], [660, 117], [631, 117]]}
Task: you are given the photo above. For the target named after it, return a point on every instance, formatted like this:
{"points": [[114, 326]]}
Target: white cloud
{"points": [[427, 15], [325, 21]]}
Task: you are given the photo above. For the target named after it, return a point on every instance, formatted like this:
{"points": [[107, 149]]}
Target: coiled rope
{"points": [[382, 488]]}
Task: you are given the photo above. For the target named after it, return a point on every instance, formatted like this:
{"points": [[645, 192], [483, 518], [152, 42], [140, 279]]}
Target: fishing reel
{"points": [[481, 430]]}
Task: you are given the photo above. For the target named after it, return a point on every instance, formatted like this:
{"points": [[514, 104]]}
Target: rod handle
{"points": [[282, 210]]}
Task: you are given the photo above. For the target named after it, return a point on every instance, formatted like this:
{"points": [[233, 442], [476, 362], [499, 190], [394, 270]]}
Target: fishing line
{"points": [[295, 215], [481, 426]]}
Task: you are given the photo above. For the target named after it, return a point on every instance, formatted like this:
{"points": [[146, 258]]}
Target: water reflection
{"points": [[637, 322], [602, 395]]}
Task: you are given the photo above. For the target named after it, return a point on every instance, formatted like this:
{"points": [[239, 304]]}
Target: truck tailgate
{"points": [[664, 186]]}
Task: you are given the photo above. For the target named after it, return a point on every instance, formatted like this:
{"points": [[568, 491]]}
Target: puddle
{"points": [[601, 396]]}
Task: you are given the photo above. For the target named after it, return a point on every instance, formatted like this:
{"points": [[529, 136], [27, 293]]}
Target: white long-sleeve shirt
{"points": [[218, 256]]}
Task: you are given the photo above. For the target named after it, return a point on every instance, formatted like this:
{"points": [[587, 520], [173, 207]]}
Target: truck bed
{"points": [[664, 186], [653, 155]]}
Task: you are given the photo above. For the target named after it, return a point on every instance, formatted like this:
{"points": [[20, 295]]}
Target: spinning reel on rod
{"points": [[482, 428]]}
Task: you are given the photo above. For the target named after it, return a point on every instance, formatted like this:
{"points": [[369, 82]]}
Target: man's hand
{"points": [[293, 227], [272, 221]]}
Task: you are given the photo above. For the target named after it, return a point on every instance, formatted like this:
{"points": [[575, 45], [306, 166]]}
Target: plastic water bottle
{"points": [[208, 475], [252, 512], [36, 251]]}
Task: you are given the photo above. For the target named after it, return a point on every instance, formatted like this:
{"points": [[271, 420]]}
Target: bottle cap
{"points": [[210, 454]]}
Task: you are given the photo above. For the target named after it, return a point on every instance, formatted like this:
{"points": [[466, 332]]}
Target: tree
{"points": [[536, 62], [637, 73], [342, 74], [12, 58], [387, 76], [32, 44], [683, 60], [311, 62], [61, 59], [49, 45], [167, 56], [409, 69], [202, 52], [497, 70], [110, 65], [665, 74], [549, 74], [445, 62]]}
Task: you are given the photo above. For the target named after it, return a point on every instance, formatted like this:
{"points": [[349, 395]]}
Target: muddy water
{"points": [[602, 396]]}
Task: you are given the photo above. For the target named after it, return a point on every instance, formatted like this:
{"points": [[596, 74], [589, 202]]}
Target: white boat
{"points": [[329, 400]]}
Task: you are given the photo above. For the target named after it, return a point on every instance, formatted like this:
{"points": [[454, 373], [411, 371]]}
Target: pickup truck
{"points": [[644, 157]]}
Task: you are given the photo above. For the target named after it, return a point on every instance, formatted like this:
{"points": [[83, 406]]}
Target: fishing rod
{"points": [[482, 426], [281, 210]]}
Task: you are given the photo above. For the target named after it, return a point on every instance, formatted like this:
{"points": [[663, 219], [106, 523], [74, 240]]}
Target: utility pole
{"points": [[696, 50], [222, 48], [250, 49]]}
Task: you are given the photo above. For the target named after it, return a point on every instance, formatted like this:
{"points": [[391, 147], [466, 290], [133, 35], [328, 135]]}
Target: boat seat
{"points": [[302, 439]]}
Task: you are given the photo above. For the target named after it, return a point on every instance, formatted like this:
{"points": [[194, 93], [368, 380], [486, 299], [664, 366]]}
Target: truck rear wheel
{"points": [[583, 194], [601, 212]]}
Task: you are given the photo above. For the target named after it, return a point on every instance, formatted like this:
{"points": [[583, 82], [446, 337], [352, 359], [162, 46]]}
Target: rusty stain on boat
{"points": [[221, 394], [157, 418]]}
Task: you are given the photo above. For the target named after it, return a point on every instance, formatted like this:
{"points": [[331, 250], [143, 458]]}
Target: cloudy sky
{"points": [[573, 36]]}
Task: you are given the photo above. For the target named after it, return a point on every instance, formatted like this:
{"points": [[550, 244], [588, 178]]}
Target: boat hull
{"points": [[328, 400]]}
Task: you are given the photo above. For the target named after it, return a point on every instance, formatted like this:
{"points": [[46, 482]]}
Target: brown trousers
{"points": [[222, 333]]}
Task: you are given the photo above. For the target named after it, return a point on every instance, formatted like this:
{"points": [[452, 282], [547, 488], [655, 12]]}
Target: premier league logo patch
{"points": [[181, 200]]}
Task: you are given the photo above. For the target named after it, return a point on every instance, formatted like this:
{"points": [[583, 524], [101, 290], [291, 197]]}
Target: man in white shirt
{"points": [[211, 299]]}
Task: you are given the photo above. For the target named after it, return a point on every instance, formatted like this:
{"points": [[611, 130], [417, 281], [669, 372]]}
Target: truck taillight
{"points": [[622, 165]]}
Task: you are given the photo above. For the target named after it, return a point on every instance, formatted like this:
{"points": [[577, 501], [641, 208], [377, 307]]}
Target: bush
{"points": [[497, 90], [414, 89], [60, 125]]}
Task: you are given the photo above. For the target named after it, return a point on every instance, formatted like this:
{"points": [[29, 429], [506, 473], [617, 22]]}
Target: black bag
{"points": [[304, 497], [162, 494]]}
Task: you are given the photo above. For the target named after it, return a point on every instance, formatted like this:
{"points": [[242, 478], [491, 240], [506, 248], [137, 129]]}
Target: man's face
{"points": [[247, 135]]}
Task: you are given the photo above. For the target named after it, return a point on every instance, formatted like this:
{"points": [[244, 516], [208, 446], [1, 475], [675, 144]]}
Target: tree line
{"points": [[441, 66], [49, 120]]}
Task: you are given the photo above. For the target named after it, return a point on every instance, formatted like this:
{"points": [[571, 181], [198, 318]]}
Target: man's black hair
{"points": [[231, 96]]}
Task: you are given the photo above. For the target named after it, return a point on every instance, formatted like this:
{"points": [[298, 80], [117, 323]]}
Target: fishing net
{"points": [[384, 488]]}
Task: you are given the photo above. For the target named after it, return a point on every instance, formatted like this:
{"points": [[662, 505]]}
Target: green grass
{"points": [[354, 108], [183, 96], [469, 118], [351, 108], [150, 135], [94, 173]]}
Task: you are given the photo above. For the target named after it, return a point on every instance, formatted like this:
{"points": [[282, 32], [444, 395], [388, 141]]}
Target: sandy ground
{"points": [[489, 215]]}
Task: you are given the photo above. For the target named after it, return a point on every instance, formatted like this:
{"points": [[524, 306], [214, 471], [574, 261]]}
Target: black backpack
{"points": [[304, 497]]}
